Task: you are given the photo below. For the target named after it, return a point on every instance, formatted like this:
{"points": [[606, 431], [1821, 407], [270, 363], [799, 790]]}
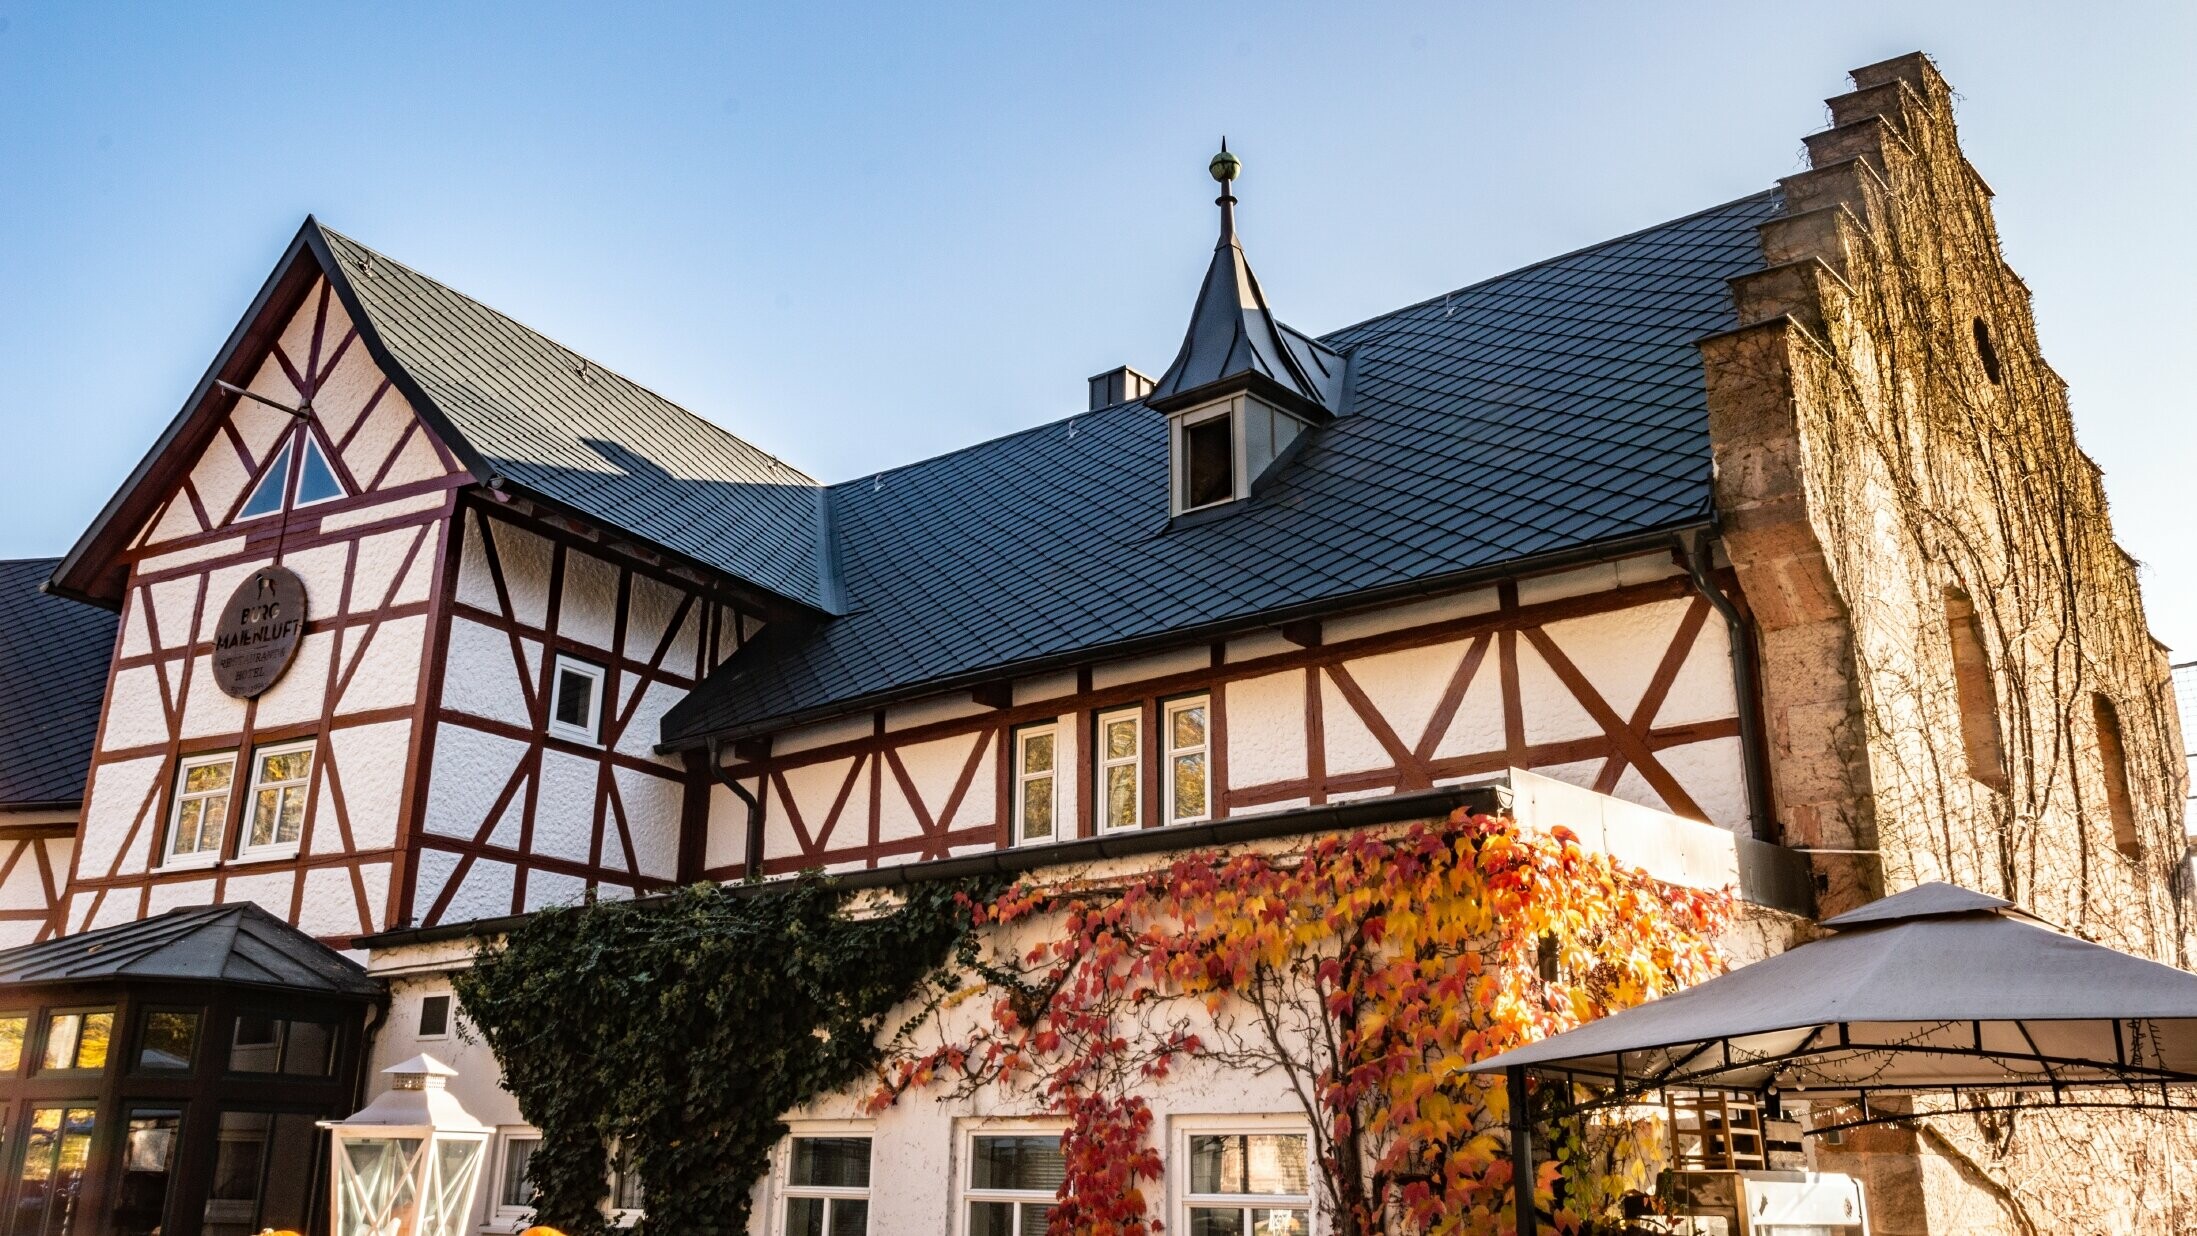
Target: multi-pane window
{"points": [[576, 700], [1188, 790], [1037, 753], [55, 1150], [827, 1186], [77, 1040], [282, 777], [1120, 768], [514, 1192], [265, 1044], [1014, 1179], [1247, 1184], [201, 809]]}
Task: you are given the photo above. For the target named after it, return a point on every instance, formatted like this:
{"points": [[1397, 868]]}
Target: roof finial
{"points": [[1225, 167]]}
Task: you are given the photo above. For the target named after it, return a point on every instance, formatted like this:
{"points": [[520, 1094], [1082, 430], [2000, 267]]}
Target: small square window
{"points": [[435, 1017], [282, 780], [1120, 744], [200, 819], [167, 1041], [1037, 754], [576, 700], [1185, 780]]}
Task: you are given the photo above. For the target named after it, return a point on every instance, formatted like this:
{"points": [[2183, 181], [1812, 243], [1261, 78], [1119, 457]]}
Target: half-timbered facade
{"points": [[423, 621]]}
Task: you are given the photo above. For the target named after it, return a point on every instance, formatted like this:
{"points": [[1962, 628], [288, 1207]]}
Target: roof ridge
{"points": [[591, 362], [1514, 272]]}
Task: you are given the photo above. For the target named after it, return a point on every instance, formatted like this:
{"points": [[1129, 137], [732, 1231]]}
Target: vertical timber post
{"points": [[1521, 1151]]}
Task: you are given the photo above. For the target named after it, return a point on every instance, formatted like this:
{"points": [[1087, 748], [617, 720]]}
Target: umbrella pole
{"points": [[1521, 1151]]}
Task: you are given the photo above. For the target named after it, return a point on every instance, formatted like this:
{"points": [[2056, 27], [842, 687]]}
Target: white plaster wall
{"points": [[1266, 731], [482, 676]]}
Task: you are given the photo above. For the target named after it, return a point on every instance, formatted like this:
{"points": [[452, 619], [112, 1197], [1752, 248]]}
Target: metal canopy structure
{"points": [[1939, 990]]}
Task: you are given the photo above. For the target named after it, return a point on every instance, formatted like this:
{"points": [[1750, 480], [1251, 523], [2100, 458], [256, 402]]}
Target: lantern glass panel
{"points": [[376, 1185]]}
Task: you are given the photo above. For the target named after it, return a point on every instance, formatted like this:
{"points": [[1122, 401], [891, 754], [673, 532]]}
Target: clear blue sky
{"points": [[858, 236]]}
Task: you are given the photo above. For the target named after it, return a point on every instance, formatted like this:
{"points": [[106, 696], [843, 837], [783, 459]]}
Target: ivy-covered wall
{"points": [[1951, 639]]}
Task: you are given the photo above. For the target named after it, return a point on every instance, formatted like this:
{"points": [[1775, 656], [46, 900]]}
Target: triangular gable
{"points": [[226, 458], [498, 401]]}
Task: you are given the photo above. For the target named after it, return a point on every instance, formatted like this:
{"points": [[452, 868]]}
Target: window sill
{"points": [[190, 862], [270, 854]]}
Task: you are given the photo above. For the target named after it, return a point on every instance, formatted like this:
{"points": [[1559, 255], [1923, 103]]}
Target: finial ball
{"points": [[1225, 166]]}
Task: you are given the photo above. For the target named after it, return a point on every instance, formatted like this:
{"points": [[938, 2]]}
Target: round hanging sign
{"points": [[258, 634]]}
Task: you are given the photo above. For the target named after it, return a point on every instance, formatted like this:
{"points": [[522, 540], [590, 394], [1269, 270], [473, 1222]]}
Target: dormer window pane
{"points": [[1209, 463]]}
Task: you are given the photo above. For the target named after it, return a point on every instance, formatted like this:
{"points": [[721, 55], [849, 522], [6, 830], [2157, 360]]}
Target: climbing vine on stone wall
{"points": [[1367, 969], [679, 1030]]}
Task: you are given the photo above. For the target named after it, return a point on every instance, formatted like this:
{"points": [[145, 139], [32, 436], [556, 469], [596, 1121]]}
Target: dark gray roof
{"points": [[237, 943], [530, 411], [1554, 408], [53, 674], [1235, 341]]}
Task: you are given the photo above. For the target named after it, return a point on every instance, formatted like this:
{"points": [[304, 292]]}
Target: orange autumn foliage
{"points": [[1369, 968]]}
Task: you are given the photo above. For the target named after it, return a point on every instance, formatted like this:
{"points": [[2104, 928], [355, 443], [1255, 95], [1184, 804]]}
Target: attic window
{"points": [[1208, 462], [316, 482], [1221, 448]]}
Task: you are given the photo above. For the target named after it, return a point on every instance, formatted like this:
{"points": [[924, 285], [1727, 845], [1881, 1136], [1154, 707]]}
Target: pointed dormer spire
{"points": [[1236, 344], [1225, 167]]}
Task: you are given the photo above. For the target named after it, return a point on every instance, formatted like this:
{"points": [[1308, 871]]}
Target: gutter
{"points": [[1485, 797], [1599, 551], [1754, 756], [754, 859]]}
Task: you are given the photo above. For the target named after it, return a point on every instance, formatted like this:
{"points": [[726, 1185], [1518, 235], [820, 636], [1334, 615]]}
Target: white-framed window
{"points": [[1205, 458], [1037, 783], [274, 815], [434, 1018], [512, 1204], [626, 1205], [1012, 1180], [316, 481], [1244, 1178], [825, 1183], [197, 826], [1184, 776], [1119, 744], [575, 699], [1222, 448]]}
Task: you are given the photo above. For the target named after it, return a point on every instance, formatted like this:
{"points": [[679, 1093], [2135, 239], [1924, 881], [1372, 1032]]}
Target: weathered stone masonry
{"points": [[1947, 627]]}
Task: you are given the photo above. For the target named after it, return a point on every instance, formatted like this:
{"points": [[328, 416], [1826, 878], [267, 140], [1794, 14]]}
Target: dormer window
{"points": [[1221, 448], [1206, 452]]}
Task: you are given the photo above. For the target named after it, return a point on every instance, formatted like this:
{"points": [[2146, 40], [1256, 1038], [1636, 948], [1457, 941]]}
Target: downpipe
{"points": [[1754, 756]]}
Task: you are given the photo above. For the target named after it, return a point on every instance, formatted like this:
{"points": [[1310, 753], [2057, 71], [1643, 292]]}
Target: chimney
{"points": [[1118, 386]]}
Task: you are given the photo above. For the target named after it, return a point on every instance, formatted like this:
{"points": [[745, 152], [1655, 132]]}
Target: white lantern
{"points": [[408, 1162]]}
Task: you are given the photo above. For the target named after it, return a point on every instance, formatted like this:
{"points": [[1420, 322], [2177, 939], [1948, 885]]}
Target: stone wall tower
{"points": [[1958, 682]]}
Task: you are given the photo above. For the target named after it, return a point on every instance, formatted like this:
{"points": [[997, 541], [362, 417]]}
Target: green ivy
{"points": [[682, 1028]]}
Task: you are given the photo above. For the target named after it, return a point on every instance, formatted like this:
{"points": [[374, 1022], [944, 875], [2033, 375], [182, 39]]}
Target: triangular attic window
{"points": [[266, 499], [316, 483], [316, 480]]}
